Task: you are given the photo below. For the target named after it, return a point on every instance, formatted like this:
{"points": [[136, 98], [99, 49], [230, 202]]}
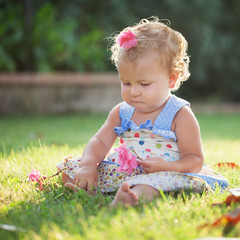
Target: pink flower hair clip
{"points": [[127, 40]]}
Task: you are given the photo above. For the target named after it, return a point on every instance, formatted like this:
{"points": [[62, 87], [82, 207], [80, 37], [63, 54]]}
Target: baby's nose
{"points": [[135, 91]]}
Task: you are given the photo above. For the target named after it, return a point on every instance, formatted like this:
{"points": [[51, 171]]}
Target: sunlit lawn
{"points": [[56, 213]]}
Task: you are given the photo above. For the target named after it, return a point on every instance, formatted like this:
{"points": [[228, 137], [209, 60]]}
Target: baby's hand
{"points": [[154, 164], [86, 178]]}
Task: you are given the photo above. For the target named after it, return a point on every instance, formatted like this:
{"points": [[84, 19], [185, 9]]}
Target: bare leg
{"points": [[130, 196]]}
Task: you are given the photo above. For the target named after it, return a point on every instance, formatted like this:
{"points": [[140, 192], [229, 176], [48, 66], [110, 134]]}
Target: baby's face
{"points": [[144, 82]]}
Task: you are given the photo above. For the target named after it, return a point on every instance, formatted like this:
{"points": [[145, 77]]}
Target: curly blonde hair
{"points": [[155, 35]]}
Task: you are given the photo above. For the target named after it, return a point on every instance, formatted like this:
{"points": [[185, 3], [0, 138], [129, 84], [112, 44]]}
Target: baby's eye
{"points": [[126, 83], [145, 84]]}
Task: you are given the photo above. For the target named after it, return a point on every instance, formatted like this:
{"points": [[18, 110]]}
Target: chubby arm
{"points": [[96, 150], [100, 144], [188, 136], [189, 141]]}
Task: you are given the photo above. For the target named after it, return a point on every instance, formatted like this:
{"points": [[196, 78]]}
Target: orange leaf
{"points": [[233, 198], [229, 219], [227, 165]]}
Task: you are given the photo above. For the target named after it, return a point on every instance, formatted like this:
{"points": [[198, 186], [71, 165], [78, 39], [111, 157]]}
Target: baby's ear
{"points": [[173, 77]]}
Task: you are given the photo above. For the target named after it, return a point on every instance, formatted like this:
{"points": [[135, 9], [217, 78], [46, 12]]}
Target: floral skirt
{"points": [[110, 179]]}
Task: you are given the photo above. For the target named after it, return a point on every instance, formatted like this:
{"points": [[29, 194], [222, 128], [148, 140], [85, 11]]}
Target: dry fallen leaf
{"points": [[227, 165]]}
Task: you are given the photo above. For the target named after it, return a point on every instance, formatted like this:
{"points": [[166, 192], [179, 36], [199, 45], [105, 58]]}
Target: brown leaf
{"points": [[232, 199]]}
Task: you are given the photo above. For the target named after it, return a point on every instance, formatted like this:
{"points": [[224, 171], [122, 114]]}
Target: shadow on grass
{"points": [[55, 206], [57, 210]]}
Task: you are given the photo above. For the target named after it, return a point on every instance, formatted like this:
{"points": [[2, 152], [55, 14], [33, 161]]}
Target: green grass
{"points": [[57, 213]]}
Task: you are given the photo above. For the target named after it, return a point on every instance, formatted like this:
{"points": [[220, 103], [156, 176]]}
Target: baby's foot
{"points": [[125, 196]]}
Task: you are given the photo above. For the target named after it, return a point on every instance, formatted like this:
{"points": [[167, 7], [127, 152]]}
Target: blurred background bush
{"points": [[59, 35]]}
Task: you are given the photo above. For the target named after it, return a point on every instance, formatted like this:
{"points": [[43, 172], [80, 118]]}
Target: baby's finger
{"points": [[95, 184], [145, 169], [75, 180], [72, 186], [144, 163], [92, 189], [83, 184], [140, 164]]}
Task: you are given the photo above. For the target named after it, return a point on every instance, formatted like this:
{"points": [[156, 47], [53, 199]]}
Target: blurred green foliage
{"points": [[58, 35]]}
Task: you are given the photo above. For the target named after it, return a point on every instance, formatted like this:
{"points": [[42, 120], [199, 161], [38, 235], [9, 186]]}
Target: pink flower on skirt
{"points": [[127, 40], [126, 159]]}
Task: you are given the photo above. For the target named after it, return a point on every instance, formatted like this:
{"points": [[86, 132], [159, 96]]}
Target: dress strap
{"points": [[165, 118], [126, 111]]}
